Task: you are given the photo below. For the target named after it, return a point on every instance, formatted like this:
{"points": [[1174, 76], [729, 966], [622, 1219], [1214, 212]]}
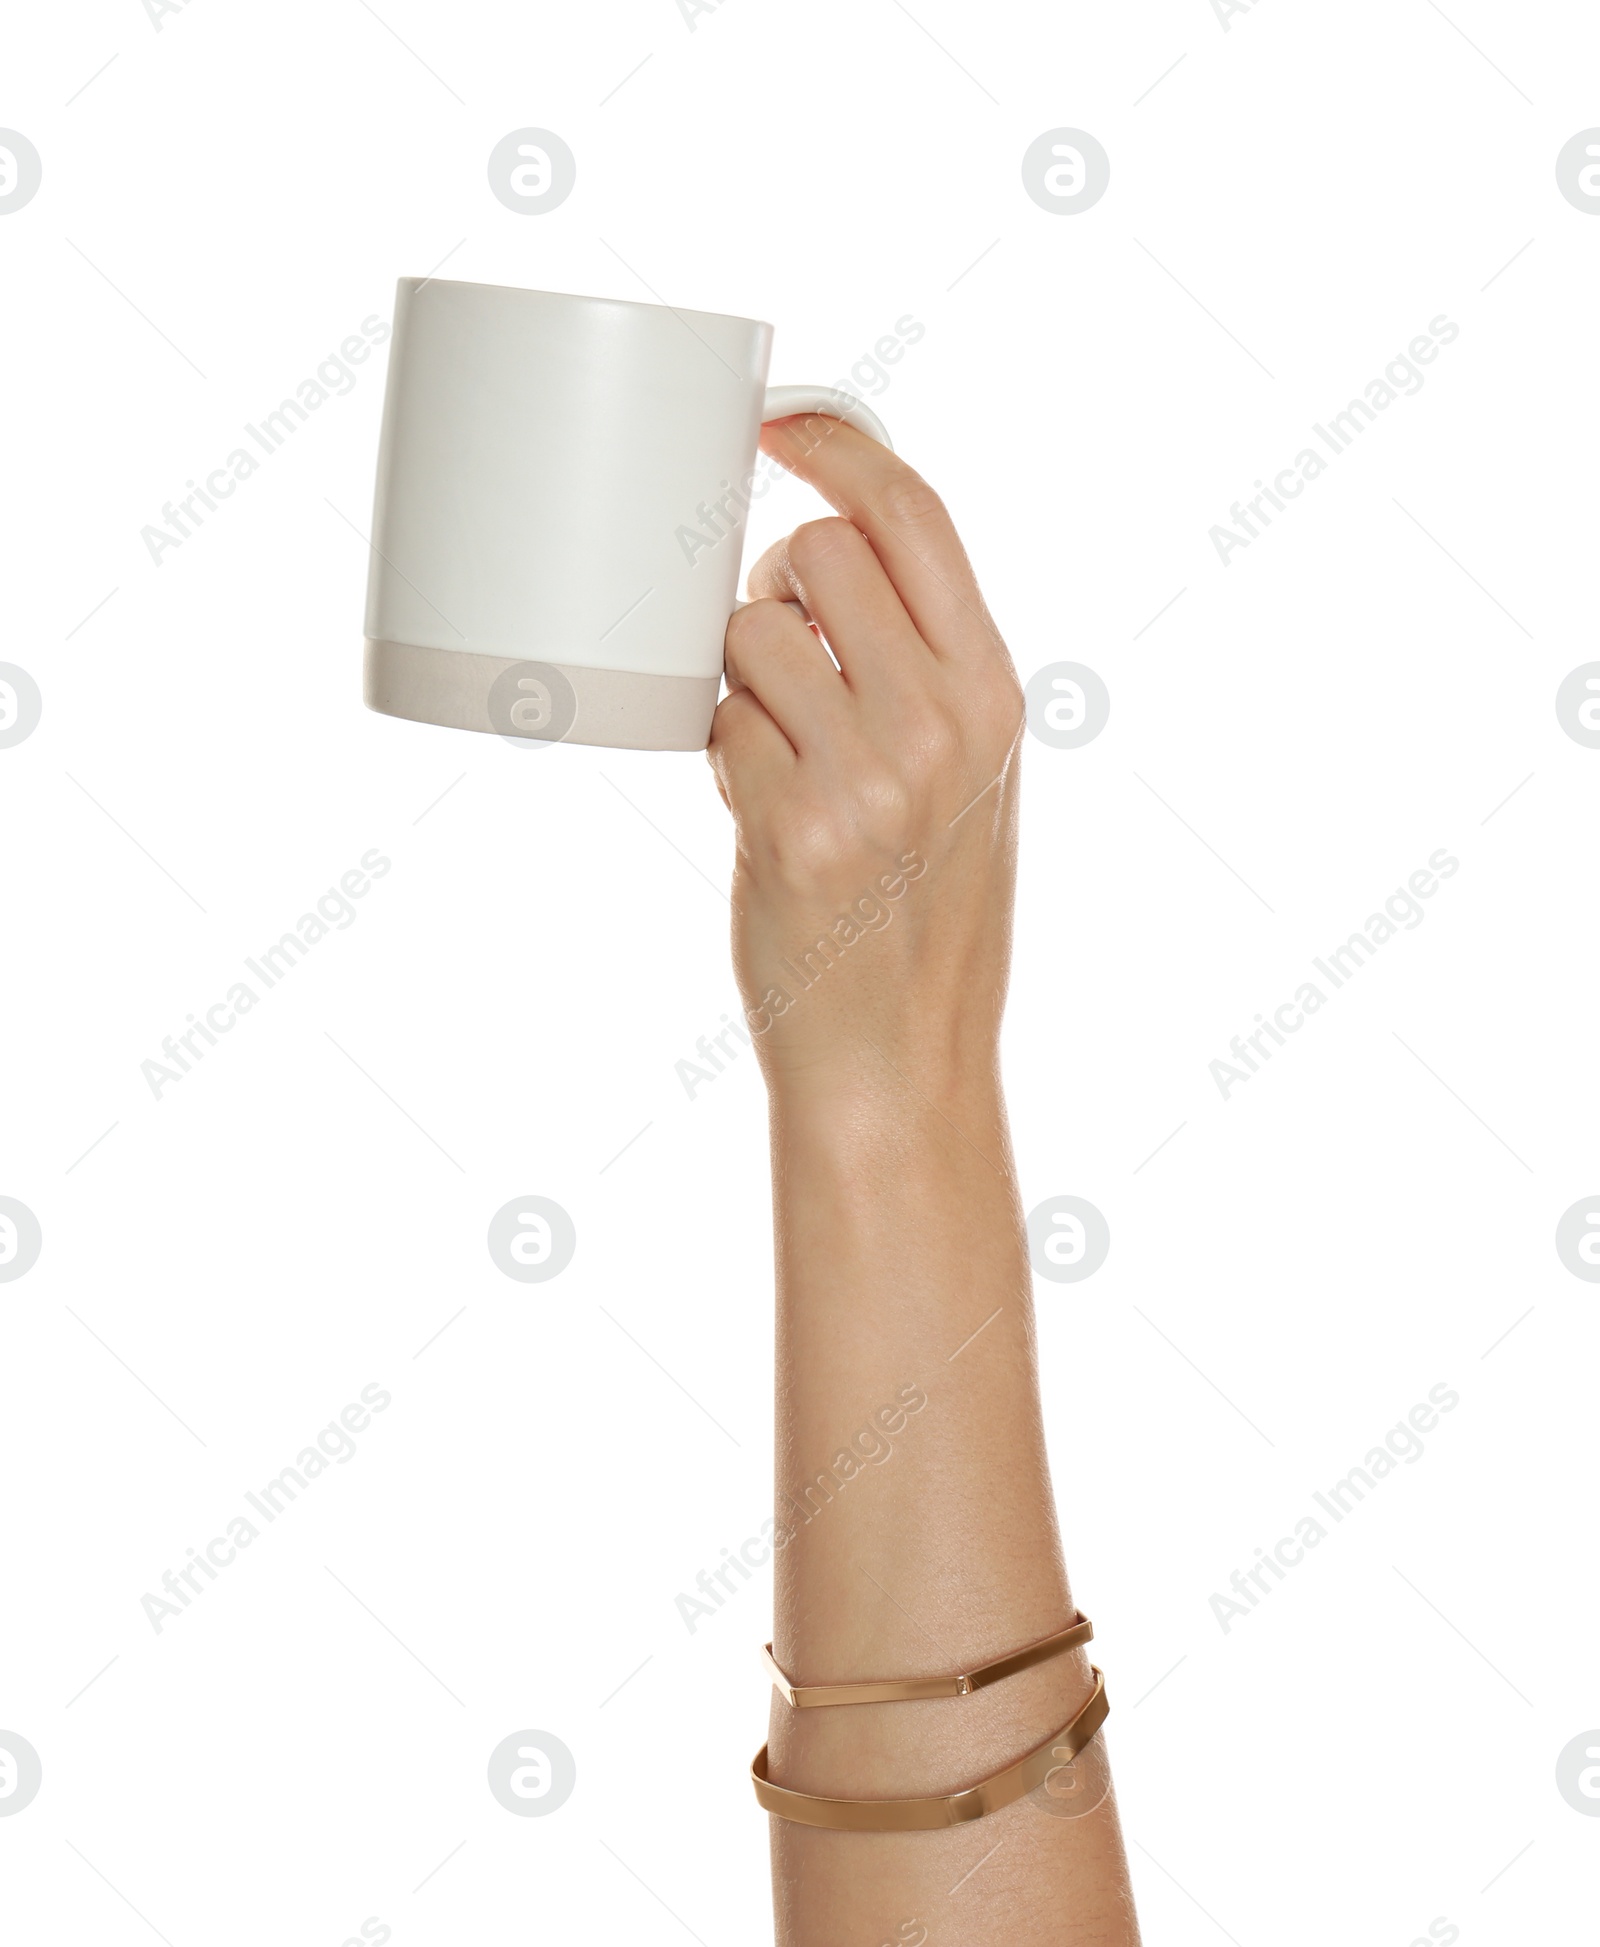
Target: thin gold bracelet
{"points": [[814, 1695], [931, 1814]]}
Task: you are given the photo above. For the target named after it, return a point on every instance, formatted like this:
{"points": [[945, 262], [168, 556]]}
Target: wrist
{"points": [[867, 1088]]}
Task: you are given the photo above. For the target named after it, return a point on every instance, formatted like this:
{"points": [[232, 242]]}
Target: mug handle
{"points": [[784, 401]]}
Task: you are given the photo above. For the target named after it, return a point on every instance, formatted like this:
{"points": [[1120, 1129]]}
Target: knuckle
{"points": [[884, 804], [820, 545], [729, 717], [999, 706], [934, 736], [804, 843], [908, 501], [750, 626], [987, 713]]}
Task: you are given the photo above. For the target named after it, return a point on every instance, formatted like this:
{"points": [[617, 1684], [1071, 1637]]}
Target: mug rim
{"points": [[414, 284]]}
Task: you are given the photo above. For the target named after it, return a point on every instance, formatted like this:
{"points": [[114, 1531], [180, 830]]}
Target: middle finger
{"points": [[829, 566]]}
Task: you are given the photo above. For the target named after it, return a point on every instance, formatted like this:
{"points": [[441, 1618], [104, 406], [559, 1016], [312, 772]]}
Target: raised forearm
{"points": [[901, 1269], [906, 1353]]}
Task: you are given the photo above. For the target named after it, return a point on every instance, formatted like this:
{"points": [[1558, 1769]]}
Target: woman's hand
{"points": [[875, 802]]}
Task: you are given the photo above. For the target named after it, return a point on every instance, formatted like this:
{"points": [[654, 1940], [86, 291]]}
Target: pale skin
{"points": [[888, 785]]}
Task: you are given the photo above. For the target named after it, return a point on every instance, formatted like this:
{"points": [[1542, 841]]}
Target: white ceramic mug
{"points": [[562, 485]]}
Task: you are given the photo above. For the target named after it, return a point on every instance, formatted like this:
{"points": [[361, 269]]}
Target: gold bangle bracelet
{"points": [[812, 1696], [932, 1814]]}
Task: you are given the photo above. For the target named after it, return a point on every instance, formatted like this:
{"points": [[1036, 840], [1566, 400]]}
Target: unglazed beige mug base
{"points": [[614, 707]]}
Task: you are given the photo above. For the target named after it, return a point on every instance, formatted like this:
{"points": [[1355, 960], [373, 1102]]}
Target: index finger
{"points": [[905, 524]]}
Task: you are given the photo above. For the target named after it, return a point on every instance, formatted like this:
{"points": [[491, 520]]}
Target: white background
{"points": [[305, 1214]]}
